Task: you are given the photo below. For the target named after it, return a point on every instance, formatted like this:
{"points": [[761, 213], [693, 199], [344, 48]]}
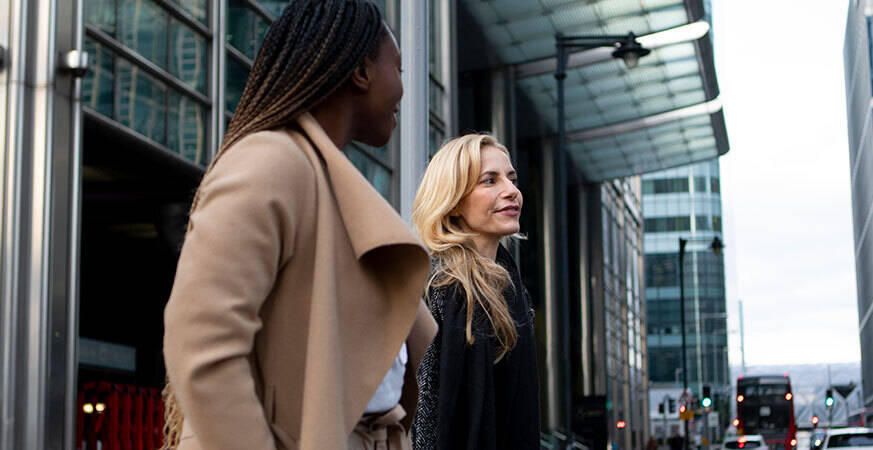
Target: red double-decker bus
{"points": [[765, 406]]}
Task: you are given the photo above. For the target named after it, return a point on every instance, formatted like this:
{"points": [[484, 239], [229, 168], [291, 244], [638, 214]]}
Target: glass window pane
{"points": [[435, 139], [196, 8], [188, 59], [97, 88], [101, 14], [275, 7], [245, 29], [378, 176], [715, 188], [141, 102], [186, 127], [239, 23], [237, 73], [143, 27]]}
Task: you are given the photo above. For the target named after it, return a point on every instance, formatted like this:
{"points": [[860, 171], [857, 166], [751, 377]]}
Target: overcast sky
{"points": [[786, 182]]}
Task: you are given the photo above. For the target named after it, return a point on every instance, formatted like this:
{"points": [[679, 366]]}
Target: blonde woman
{"points": [[478, 386]]}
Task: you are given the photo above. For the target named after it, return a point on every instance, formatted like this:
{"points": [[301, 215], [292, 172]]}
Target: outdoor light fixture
{"points": [[740, 398], [75, 62], [629, 50], [88, 408]]}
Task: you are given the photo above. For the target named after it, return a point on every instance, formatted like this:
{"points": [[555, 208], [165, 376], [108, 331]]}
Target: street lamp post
{"points": [[630, 51], [716, 246]]}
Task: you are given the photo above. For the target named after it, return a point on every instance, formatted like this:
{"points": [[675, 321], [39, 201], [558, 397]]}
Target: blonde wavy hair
{"points": [[452, 174]]}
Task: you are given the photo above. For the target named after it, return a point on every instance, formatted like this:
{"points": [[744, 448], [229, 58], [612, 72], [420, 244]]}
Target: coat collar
{"points": [[370, 221]]}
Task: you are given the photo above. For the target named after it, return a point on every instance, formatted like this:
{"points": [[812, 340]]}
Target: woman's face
{"points": [[381, 103], [493, 208]]}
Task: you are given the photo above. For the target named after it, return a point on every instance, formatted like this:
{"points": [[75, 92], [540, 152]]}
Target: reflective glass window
{"points": [[101, 14], [714, 185], [275, 7], [142, 26], [699, 184], [98, 84], [373, 171], [245, 28], [702, 223], [188, 58], [236, 76], [197, 8], [716, 223], [665, 186], [141, 102], [186, 127]]}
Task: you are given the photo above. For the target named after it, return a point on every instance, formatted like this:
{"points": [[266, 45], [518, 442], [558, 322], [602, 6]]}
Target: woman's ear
{"points": [[361, 76]]}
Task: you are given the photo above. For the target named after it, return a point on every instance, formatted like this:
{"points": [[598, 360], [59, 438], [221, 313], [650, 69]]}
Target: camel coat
{"points": [[296, 286]]}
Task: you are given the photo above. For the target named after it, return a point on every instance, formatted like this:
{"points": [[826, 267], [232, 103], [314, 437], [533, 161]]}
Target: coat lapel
{"points": [[383, 242], [369, 220]]}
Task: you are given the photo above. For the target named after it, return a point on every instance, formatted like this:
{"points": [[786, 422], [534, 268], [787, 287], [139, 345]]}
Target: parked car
{"points": [[849, 438], [748, 441]]}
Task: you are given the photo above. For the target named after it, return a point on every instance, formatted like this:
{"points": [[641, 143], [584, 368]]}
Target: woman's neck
{"points": [[486, 246]]}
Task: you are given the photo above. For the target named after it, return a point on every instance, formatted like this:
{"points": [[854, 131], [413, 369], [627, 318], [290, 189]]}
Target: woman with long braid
{"points": [[289, 321]]}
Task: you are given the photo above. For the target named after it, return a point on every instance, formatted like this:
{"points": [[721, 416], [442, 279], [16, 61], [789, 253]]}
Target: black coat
{"points": [[466, 401]]}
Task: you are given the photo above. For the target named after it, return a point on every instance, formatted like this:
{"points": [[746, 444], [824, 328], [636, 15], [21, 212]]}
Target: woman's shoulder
{"points": [[270, 157]]}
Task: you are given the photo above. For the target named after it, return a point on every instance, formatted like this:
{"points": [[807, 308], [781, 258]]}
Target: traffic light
{"points": [[706, 398], [814, 421], [829, 398], [672, 403], [661, 409]]}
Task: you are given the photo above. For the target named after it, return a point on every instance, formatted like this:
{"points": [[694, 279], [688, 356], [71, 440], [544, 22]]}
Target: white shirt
{"points": [[388, 393]]}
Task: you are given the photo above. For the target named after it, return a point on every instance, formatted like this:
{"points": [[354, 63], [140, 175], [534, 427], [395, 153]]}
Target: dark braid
{"points": [[308, 52]]}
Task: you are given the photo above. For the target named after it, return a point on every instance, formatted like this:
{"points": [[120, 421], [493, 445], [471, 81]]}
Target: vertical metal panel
{"points": [[13, 93], [40, 227], [552, 333], [414, 106], [586, 362], [218, 10]]}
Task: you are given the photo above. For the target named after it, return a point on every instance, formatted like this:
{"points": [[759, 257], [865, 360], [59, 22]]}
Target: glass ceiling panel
{"points": [[607, 93]]}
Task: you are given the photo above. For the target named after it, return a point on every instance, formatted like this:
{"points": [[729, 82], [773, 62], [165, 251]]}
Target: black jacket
{"points": [[465, 400]]}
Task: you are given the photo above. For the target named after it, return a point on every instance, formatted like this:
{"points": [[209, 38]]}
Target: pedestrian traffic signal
{"points": [[829, 398], [706, 398], [814, 421], [672, 403]]}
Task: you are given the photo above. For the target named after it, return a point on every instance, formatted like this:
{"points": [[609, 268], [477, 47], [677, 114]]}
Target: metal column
{"points": [[41, 175], [414, 108]]}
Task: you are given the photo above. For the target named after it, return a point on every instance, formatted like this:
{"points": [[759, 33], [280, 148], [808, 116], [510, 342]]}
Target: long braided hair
{"points": [[307, 53]]}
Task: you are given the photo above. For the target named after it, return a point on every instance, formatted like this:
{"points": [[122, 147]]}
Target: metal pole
{"points": [[682, 243], [742, 338], [559, 167]]}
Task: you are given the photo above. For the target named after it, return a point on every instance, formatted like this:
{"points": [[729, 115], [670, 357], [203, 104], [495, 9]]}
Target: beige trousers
{"points": [[381, 432]]}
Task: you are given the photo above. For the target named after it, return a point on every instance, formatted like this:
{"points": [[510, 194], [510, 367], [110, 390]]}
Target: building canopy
{"points": [[619, 121]]}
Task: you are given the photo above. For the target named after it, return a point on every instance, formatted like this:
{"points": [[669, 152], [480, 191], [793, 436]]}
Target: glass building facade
{"points": [[857, 62], [685, 203]]}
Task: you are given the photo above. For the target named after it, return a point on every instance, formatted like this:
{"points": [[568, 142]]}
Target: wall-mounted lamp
{"points": [[75, 62]]}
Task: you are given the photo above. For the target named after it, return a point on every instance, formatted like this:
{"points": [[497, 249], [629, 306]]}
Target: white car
{"points": [[748, 441], [849, 438]]}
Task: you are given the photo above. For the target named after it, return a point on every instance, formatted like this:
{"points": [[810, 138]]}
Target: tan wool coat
{"points": [[296, 287]]}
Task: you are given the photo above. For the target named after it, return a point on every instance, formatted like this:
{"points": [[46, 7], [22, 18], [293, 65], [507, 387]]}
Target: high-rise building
{"points": [[685, 203], [857, 60], [98, 172]]}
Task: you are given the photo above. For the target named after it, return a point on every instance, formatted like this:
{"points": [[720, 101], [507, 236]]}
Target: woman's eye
{"points": [[514, 181], [488, 180]]}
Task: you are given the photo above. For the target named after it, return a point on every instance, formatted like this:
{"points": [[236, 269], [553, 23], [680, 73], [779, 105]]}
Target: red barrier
{"points": [[118, 417]]}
